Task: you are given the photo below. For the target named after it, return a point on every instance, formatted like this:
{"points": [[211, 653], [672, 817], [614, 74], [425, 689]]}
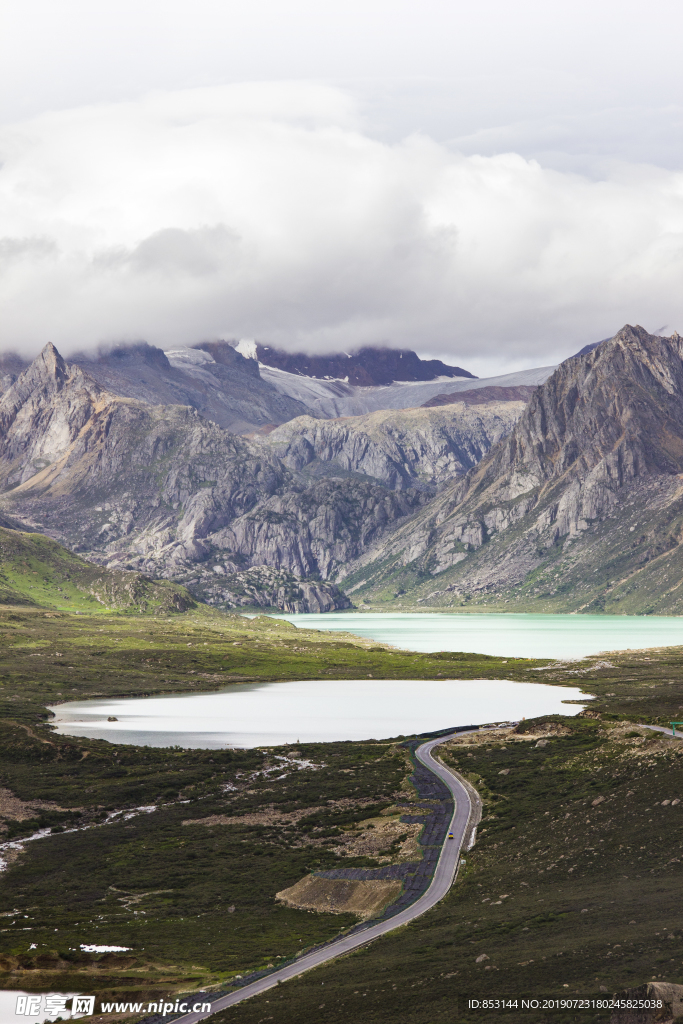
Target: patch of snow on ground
{"points": [[17, 844], [105, 949], [180, 357]]}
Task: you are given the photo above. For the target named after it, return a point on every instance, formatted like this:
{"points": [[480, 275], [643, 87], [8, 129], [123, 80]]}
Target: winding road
{"points": [[440, 884]]}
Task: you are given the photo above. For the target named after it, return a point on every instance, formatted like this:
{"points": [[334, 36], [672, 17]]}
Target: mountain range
{"points": [[230, 384], [558, 493], [268, 520], [220, 384], [366, 367], [228, 387]]}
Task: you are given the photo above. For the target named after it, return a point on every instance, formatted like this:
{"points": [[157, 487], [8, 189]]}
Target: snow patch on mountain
{"points": [[333, 398], [247, 348]]}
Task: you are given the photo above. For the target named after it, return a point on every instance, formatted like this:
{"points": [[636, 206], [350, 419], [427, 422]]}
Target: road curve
{"points": [[440, 884]]}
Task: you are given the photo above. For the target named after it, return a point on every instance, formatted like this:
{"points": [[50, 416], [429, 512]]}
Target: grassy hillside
{"points": [[35, 570]]}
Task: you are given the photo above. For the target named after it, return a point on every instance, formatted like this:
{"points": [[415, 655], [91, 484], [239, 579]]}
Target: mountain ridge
{"points": [[401, 448], [232, 394], [247, 397], [603, 435], [367, 366]]}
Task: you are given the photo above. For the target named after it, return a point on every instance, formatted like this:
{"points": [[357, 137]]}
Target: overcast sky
{"points": [[493, 183]]}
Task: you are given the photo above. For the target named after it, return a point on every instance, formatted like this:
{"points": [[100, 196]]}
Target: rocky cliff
{"points": [[580, 508], [403, 448]]}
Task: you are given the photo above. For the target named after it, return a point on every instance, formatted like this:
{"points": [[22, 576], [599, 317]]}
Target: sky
{"points": [[494, 184]]}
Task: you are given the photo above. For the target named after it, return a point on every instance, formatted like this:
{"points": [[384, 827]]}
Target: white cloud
{"points": [[450, 68], [263, 210]]}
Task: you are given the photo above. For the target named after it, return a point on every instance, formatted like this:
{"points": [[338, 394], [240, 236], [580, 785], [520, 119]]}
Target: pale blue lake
{"points": [[311, 711], [505, 635]]}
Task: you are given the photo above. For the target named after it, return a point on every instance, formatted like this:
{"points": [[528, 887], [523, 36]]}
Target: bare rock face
{"points": [[400, 448], [263, 587], [573, 506], [41, 414]]}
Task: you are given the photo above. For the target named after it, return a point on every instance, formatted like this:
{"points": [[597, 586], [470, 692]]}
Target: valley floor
{"points": [[571, 886]]}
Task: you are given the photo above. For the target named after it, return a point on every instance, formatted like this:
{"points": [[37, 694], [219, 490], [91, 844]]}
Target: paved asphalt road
{"points": [[441, 883], [660, 728]]}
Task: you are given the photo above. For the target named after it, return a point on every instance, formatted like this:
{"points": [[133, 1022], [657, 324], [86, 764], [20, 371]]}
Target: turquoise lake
{"points": [[506, 635]]}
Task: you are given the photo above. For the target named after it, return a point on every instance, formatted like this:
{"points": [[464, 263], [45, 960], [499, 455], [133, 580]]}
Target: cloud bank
{"points": [[266, 210]]}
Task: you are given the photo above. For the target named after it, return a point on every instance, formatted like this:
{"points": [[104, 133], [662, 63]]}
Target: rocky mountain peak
{"points": [[619, 406], [46, 375], [42, 413], [48, 366]]}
